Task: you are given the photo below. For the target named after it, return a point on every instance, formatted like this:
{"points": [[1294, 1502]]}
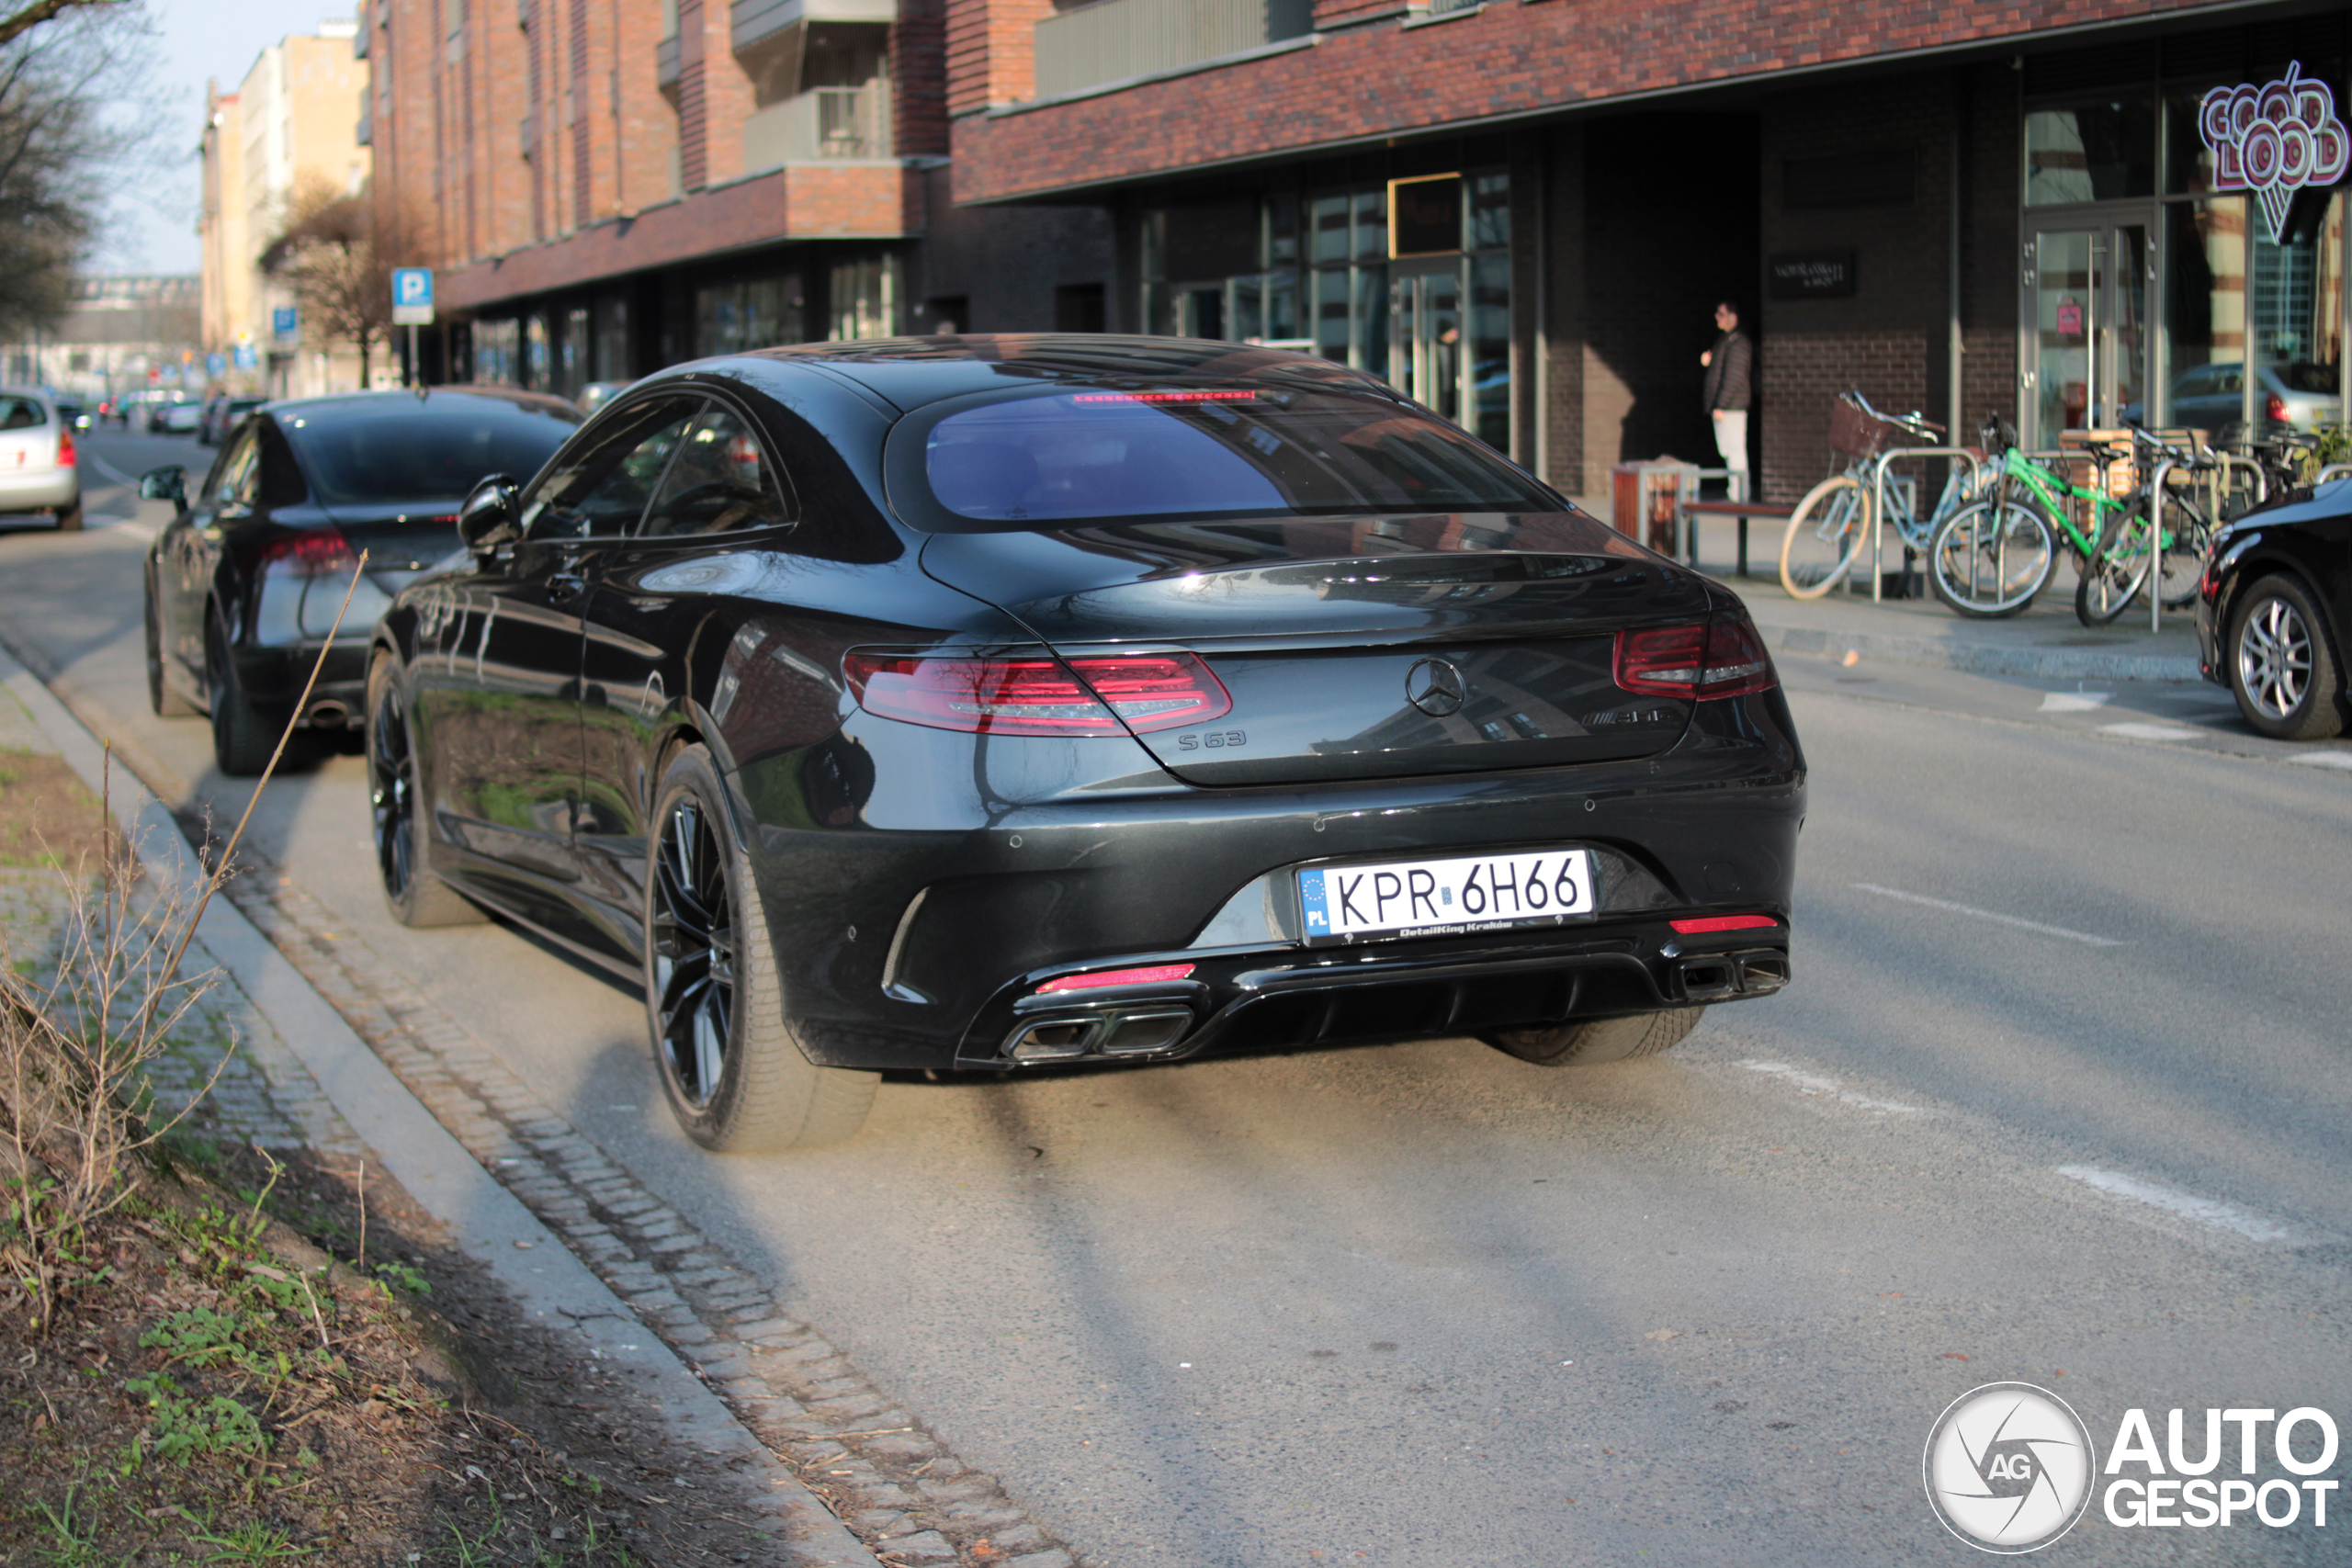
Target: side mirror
{"points": [[487, 519], [164, 484]]}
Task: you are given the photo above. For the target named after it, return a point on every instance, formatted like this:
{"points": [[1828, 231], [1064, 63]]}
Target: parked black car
{"points": [[2273, 607], [991, 702], [243, 585]]}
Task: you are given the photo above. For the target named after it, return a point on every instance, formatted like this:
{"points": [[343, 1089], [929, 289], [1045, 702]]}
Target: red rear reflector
{"points": [[1722, 658], [1150, 976], [1039, 697], [64, 448], [311, 553], [1723, 923]]}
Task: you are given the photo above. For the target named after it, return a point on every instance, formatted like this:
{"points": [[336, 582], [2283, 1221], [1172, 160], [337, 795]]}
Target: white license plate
{"points": [[1440, 897]]}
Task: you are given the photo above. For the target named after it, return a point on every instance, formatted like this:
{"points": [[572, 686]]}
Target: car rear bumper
{"points": [[273, 680], [39, 491]]}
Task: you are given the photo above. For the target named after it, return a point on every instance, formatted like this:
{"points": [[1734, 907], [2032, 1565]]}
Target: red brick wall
{"points": [[919, 77], [991, 51], [1384, 79]]}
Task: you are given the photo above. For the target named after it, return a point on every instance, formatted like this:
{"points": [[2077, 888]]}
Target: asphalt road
{"points": [[2058, 1095]]}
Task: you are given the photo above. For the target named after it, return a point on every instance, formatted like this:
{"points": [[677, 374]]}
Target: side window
{"points": [[234, 482], [721, 482], [600, 491], [20, 413]]}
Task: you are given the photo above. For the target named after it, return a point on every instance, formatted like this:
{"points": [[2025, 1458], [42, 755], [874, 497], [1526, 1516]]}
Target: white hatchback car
{"points": [[39, 468]]}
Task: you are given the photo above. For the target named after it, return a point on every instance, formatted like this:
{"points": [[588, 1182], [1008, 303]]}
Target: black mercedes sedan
{"points": [[987, 702], [243, 585], [2273, 606]]}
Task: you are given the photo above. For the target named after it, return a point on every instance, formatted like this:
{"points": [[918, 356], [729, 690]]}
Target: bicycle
{"points": [[1993, 557], [2131, 549], [1831, 523]]}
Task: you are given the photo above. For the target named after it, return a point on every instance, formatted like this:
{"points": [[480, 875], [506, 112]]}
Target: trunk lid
{"points": [[1359, 649]]}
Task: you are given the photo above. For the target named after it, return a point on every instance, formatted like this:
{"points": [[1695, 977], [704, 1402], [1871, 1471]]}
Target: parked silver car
{"points": [[39, 470], [2294, 394]]}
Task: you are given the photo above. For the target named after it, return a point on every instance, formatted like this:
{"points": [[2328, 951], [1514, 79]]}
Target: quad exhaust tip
{"points": [[1125, 1032], [1713, 977]]}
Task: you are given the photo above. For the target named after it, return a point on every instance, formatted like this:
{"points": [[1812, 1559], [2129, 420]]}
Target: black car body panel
{"points": [[2303, 534], [919, 883]]}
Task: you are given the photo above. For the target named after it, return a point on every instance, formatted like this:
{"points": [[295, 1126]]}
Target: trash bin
{"points": [[1646, 500]]}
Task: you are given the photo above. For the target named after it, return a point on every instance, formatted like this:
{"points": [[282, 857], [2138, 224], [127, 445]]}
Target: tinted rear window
{"points": [[428, 452], [2304, 377], [1089, 455]]}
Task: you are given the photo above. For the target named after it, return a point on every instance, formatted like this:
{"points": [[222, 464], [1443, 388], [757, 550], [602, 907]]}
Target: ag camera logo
{"points": [[2009, 1468]]}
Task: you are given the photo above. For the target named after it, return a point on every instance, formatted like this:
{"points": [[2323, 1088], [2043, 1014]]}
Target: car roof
{"points": [[334, 405], [908, 372]]}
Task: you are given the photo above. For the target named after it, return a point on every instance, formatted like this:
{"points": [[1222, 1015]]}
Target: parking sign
{"points": [[284, 321], [412, 297]]}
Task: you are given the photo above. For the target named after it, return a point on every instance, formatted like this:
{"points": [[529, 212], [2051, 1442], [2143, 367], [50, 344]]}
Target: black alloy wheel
{"points": [[735, 1076], [167, 703], [1589, 1041], [2285, 678], [243, 741], [418, 896]]}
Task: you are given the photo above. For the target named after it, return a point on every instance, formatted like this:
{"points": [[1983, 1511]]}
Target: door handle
{"points": [[566, 585]]}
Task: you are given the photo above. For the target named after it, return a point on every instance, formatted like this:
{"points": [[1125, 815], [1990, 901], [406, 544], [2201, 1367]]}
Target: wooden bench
{"points": [[1692, 511]]}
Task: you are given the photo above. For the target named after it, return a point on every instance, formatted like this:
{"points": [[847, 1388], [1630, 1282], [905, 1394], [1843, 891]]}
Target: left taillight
{"points": [[1103, 695], [1705, 659], [314, 552], [65, 455]]}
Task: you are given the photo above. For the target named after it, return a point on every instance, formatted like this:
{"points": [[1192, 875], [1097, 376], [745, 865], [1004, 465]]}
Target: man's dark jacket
{"points": [[1731, 374]]}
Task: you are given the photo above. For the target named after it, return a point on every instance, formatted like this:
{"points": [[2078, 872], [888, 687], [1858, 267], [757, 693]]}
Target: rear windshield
{"points": [[2304, 377], [1076, 455], [410, 453]]}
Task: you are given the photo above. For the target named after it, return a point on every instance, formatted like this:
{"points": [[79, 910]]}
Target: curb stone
{"points": [[483, 1218], [780, 1386]]}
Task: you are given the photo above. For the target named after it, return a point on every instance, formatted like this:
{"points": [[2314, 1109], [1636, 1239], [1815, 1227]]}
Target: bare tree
{"points": [[30, 17], [338, 251], [62, 88]]}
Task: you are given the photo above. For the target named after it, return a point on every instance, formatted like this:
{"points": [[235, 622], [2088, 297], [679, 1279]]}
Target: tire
{"points": [[1825, 536], [165, 702], [1589, 1041], [2116, 570], [731, 1068], [412, 890], [1987, 571], [2287, 681], [2186, 534], [243, 739], [69, 518]]}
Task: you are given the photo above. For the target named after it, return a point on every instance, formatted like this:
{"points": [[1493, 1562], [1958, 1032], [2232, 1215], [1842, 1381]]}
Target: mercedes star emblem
{"points": [[1435, 687]]}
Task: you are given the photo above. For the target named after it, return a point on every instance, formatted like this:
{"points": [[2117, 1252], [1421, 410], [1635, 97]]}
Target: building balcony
{"points": [[665, 64], [755, 24], [826, 124], [365, 133], [1114, 40], [527, 134]]}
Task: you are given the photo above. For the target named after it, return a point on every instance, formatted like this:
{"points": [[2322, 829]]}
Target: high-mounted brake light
{"points": [[1722, 658], [315, 552], [1103, 695], [65, 455], [1220, 397], [1723, 923], [1155, 975]]}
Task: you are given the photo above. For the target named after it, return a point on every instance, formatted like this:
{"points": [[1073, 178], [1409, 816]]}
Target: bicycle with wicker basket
{"points": [[1834, 521]]}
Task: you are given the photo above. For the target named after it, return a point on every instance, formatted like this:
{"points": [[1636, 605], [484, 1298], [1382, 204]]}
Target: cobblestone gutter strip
{"points": [[898, 1489], [482, 1217]]}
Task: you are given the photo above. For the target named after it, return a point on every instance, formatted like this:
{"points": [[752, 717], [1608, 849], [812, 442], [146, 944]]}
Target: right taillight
{"points": [[1038, 695], [2274, 409], [1721, 657]]}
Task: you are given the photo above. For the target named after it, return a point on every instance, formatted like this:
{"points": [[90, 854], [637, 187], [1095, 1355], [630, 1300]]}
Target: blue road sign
{"points": [[246, 356], [284, 321], [215, 362]]}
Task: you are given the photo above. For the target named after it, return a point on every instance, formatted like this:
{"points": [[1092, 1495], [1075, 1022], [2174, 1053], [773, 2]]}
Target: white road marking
{"points": [[2074, 702], [1813, 1084], [2149, 731], [147, 531], [2341, 760], [2206, 1211], [2022, 924], [116, 475]]}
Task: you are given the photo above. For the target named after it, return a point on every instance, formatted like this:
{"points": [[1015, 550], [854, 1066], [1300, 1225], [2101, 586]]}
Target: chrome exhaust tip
{"points": [[331, 714], [1120, 1032]]}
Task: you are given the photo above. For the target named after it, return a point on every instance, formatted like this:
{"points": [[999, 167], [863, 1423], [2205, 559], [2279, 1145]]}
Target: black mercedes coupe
{"points": [[2273, 608], [987, 702]]}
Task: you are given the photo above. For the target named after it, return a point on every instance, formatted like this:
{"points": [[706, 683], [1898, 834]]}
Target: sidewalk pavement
{"points": [[2045, 640]]}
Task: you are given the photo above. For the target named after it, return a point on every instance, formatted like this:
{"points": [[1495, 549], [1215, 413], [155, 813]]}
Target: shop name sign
{"points": [[1812, 274], [2274, 140]]}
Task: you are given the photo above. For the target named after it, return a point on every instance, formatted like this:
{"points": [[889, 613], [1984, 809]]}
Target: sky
{"points": [[155, 230]]}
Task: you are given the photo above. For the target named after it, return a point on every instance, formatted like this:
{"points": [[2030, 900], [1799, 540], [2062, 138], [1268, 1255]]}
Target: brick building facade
{"points": [[1522, 212], [606, 188]]}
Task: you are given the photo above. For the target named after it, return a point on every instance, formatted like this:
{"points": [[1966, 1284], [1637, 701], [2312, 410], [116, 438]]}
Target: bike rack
{"points": [[1878, 500], [2219, 481], [2333, 472]]}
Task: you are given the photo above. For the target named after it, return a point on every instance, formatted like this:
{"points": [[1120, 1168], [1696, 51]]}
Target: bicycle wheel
{"points": [[2188, 532], [1987, 562], [1823, 536], [2116, 570]]}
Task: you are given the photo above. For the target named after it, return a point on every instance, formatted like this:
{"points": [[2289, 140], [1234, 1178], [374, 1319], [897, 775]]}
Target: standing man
{"points": [[1730, 388]]}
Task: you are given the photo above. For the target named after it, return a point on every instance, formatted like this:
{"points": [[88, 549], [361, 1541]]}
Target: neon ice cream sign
{"points": [[2274, 140]]}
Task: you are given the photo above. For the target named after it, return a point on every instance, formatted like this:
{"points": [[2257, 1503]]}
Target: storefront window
{"points": [[2297, 310], [2102, 152], [864, 300], [495, 345], [731, 318]]}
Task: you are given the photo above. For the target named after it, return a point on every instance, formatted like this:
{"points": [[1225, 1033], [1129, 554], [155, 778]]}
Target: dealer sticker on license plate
{"points": [[1442, 898]]}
